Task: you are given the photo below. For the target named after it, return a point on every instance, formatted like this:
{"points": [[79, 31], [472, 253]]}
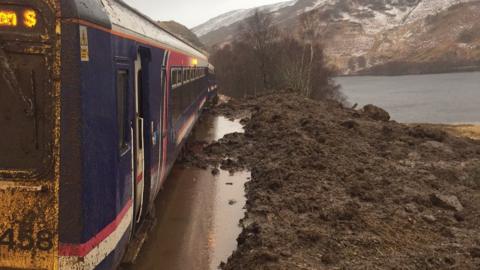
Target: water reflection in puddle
{"points": [[215, 128], [197, 213], [229, 209]]}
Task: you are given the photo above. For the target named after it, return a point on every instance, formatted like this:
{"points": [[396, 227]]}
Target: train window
{"points": [[187, 94], [122, 107], [174, 77], [26, 109], [176, 103], [185, 74]]}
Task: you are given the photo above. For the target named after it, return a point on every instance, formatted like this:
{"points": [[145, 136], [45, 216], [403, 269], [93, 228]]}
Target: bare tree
{"points": [[309, 34], [352, 65], [262, 58], [260, 32], [362, 61]]}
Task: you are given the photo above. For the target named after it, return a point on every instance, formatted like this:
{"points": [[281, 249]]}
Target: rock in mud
{"points": [[376, 113], [215, 171], [459, 216], [446, 202], [430, 218]]}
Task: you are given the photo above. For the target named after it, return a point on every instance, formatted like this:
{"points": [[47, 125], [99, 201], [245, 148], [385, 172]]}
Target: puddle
{"points": [[214, 128], [197, 213], [229, 209]]}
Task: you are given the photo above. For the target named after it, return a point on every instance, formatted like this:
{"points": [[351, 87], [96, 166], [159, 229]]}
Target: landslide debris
{"points": [[338, 188]]}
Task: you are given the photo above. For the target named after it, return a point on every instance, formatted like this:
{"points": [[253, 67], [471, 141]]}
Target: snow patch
{"points": [[431, 7]]}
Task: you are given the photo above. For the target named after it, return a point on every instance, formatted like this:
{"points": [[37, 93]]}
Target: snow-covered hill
{"points": [[232, 17], [356, 33], [374, 15]]}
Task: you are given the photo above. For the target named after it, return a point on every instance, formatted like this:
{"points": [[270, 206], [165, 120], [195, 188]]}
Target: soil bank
{"points": [[338, 188]]}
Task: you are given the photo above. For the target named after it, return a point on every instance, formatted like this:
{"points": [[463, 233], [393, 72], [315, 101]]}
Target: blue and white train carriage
{"points": [[96, 101]]}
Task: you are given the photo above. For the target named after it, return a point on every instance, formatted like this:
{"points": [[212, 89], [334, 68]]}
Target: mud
{"points": [[337, 188]]}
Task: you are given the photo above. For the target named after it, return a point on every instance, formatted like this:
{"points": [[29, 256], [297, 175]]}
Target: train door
{"points": [[138, 140], [163, 122]]}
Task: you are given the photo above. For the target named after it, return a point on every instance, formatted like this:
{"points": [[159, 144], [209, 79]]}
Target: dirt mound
{"points": [[333, 188], [376, 113]]}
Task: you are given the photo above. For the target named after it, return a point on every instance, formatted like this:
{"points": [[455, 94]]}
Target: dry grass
{"points": [[471, 131]]}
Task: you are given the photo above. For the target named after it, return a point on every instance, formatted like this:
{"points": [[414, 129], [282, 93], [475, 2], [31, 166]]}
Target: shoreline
{"points": [[405, 74]]}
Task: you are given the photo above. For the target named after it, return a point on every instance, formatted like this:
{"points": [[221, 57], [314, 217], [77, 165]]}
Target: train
{"points": [[96, 103]]}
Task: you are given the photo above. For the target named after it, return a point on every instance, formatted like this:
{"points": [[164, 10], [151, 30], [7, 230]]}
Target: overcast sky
{"points": [[192, 12]]}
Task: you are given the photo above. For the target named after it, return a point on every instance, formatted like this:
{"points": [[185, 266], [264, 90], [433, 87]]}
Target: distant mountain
{"points": [[183, 32], [235, 16], [370, 36]]}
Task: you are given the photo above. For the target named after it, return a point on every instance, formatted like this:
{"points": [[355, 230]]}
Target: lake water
{"points": [[439, 98]]}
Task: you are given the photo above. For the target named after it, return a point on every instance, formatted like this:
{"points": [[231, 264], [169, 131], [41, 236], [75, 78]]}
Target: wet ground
{"points": [[197, 213]]}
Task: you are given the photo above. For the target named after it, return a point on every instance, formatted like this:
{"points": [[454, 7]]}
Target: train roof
{"points": [[119, 16]]}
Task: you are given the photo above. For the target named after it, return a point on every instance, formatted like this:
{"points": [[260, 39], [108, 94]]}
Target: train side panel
{"points": [[104, 219], [97, 217], [181, 124]]}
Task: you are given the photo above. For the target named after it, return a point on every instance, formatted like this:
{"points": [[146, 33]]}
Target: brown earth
{"points": [[337, 188]]}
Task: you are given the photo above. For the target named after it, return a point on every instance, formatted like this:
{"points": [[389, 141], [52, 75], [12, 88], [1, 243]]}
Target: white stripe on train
{"points": [[101, 251]]}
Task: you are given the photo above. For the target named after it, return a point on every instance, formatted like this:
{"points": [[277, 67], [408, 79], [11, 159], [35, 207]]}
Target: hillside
{"points": [[447, 41], [366, 36], [183, 32]]}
